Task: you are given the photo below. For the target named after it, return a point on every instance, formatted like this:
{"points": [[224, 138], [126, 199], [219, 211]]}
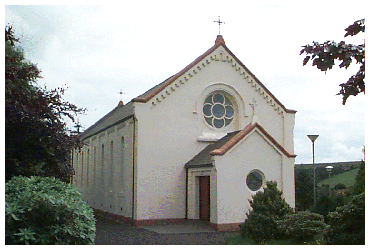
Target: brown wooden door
{"points": [[204, 197]]}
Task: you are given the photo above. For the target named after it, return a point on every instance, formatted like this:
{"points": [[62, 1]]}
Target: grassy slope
{"points": [[346, 178]]}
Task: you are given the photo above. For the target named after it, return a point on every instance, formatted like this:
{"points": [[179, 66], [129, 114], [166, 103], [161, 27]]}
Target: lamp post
{"points": [[313, 138], [329, 168]]}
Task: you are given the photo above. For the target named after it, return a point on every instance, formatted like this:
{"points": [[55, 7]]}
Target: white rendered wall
{"points": [[107, 184], [252, 153], [171, 123]]}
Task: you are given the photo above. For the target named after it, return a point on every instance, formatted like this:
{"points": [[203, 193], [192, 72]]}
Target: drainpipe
{"points": [[133, 166], [186, 193]]}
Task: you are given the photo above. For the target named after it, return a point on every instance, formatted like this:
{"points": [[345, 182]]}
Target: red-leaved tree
{"points": [[37, 140], [323, 56]]}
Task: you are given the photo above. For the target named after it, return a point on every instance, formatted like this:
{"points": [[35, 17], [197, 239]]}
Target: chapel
{"points": [[195, 147]]}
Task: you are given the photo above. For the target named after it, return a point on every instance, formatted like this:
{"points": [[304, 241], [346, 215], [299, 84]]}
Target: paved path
{"points": [[109, 232]]}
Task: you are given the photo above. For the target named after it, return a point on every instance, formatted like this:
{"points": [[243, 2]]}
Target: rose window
{"points": [[218, 110]]}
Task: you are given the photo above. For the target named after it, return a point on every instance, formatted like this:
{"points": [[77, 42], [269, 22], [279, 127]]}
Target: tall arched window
{"points": [[122, 160], [82, 169], [87, 167], [94, 170], [111, 167], [102, 167]]}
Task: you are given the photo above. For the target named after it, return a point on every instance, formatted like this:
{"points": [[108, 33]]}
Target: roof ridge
{"points": [[239, 136], [150, 94]]}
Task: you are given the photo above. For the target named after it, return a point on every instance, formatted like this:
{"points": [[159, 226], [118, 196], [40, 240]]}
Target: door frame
{"points": [[192, 193]]}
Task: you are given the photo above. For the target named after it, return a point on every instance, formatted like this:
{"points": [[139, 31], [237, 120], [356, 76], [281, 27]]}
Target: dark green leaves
{"points": [[43, 210], [37, 139]]}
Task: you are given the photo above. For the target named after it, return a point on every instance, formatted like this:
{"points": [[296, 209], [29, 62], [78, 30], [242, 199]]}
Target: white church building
{"points": [[194, 147]]}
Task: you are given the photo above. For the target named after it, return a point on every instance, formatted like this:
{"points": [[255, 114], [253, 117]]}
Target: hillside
{"points": [[346, 178]]}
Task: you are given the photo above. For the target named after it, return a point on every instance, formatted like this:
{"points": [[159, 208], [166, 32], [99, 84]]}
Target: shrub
{"points": [[347, 223], [327, 203], [302, 226], [44, 210], [340, 186], [268, 207]]}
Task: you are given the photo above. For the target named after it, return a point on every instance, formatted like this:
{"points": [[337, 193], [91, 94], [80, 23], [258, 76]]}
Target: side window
{"points": [[255, 180]]}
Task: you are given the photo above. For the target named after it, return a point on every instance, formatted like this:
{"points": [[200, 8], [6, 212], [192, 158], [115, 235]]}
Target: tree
{"points": [[359, 186], [303, 189], [324, 54], [37, 140], [347, 223], [268, 207]]}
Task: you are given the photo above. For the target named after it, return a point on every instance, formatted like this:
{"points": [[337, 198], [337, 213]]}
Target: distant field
{"points": [[346, 178]]}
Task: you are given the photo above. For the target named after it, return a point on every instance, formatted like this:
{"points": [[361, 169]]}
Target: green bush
{"points": [[340, 186], [268, 207], [347, 223], [327, 203], [302, 226], [44, 210]]}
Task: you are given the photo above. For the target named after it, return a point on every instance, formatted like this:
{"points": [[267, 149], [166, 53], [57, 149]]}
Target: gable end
{"points": [[170, 85], [239, 136]]}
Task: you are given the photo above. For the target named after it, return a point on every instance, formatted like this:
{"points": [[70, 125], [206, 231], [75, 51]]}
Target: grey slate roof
{"points": [[119, 114], [204, 158]]}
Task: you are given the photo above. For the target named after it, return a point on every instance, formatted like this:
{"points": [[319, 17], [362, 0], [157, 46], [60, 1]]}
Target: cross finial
{"points": [[120, 93], [219, 24]]}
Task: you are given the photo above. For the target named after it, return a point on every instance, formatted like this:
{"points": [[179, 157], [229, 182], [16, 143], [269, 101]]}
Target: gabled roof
{"points": [[158, 88], [220, 147], [119, 114], [204, 158], [248, 129], [148, 95]]}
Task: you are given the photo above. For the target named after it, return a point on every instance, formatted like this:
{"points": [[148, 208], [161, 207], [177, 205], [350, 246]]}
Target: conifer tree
{"points": [[267, 208]]}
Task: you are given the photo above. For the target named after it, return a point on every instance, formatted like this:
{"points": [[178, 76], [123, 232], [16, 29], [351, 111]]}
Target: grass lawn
{"points": [[238, 240], [346, 178]]}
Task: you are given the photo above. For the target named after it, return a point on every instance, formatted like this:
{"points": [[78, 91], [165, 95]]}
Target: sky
{"points": [[97, 50]]}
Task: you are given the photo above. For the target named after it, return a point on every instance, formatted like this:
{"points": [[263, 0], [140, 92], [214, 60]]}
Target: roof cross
{"points": [[219, 24], [120, 93], [253, 104]]}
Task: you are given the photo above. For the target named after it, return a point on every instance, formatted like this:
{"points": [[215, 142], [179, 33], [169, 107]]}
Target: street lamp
{"points": [[329, 168], [313, 138]]}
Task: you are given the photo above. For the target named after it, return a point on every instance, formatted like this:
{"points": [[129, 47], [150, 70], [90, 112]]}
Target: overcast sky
{"points": [[98, 50]]}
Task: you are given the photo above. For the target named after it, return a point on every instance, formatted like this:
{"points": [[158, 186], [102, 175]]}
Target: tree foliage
{"points": [[359, 186], [37, 140], [347, 223], [302, 226], [268, 207], [303, 188], [323, 56]]}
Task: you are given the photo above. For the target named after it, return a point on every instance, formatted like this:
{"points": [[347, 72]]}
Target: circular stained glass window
{"points": [[255, 180], [218, 110]]}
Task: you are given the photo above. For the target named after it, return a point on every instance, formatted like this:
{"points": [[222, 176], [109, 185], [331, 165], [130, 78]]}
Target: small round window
{"points": [[218, 110], [255, 180]]}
